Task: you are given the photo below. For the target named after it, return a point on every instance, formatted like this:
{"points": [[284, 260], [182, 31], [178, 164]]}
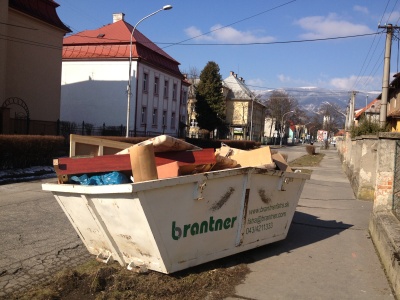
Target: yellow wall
{"points": [[33, 66]]}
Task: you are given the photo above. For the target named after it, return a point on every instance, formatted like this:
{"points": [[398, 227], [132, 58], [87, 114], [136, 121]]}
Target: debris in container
{"points": [[281, 162], [223, 162], [260, 157], [143, 162], [100, 179], [165, 143], [158, 158]]}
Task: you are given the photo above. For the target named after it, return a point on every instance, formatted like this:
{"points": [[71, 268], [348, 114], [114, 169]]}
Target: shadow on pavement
{"points": [[305, 229]]}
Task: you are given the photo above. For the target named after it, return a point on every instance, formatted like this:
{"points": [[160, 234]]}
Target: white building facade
{"points": [[95, 75]]}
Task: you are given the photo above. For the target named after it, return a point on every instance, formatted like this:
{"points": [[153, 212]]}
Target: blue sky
{"points": [[255, 38]]}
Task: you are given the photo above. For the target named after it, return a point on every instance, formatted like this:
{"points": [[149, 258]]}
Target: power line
{"points": [[362, 71], [272, 43], [247, 18]]}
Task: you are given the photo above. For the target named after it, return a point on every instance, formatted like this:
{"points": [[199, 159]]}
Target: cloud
{"points": [[361, 9], [196, 33], [255, 82], [221, 34], [284, 78], [363, 82], [331, 26]]}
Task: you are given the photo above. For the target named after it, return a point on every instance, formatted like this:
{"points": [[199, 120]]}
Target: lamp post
{"points": [[282, 127], [165, 7]]}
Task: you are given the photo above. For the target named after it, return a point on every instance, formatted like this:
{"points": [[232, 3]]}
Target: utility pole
{"points": [[351, 110], [386, 72]]}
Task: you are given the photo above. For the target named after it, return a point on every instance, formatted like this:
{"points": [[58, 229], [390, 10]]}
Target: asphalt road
{"points": [[37, 239]]}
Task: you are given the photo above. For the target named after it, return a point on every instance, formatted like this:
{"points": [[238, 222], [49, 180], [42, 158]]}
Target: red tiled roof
{"points": [[361, 111], [44, 10], [113, 42]]}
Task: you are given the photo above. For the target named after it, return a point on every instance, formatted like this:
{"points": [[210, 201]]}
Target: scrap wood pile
{"points": [[100, 161]]}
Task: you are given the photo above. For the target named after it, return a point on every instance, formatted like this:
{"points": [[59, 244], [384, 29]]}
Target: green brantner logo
{"points": [[203, 227]]}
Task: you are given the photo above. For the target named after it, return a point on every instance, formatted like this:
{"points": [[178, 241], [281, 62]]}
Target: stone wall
{"points": [[369, 162], [359, 158]]}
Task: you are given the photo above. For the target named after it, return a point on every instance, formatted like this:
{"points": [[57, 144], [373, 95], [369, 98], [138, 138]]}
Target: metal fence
{"points": [[67, 128]]}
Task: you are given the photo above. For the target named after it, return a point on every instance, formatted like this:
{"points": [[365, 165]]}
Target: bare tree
{"points": [[332, 117], [279, 104], [193, 76]]}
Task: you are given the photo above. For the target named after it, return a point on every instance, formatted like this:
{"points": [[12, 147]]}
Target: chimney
{"points": [[118, 17], [232, 73], [241, 79]]}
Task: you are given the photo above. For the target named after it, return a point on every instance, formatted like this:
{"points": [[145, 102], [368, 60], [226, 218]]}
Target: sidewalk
{"points": [[328, 253]]}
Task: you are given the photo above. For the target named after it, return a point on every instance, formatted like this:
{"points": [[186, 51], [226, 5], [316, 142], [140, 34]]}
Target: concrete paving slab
{"points": [[328, 253]]}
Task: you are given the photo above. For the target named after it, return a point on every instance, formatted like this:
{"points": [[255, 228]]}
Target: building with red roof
{"points": [[30, 66], [371, 111], [95, 73]]}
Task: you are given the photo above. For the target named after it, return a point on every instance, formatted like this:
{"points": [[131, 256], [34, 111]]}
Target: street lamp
{"points": [[165, 7], [282, 127]]}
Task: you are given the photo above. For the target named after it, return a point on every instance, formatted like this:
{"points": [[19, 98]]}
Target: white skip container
{"points": [[172, 224]]}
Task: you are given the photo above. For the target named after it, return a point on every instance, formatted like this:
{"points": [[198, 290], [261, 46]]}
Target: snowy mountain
{"points": [[310, 98]]}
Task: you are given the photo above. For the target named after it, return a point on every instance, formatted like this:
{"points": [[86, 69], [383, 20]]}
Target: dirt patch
{"points": [[94, 280]]}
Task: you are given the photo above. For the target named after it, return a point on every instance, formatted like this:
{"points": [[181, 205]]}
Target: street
{"points": [[37, 239]]}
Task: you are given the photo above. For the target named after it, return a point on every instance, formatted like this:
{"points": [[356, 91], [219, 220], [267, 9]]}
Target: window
{"points": [[184, 97], [154, 116], [145, 82], [173, 120], [156, 84], [174, 92], [165, 88], [164, 118], [143, 116]]}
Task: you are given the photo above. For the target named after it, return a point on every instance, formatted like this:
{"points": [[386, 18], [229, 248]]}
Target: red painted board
{"points": [[109, 163]]}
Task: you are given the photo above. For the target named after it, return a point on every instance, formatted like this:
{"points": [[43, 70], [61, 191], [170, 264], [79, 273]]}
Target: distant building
{"points": [[393, 106], [95, 75], [245, 115], [371, 112], [30, 66]]}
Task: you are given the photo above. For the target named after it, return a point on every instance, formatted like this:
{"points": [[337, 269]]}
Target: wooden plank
{"points": [[281, 163], [66, 166], [254, 158], [88, 145]]}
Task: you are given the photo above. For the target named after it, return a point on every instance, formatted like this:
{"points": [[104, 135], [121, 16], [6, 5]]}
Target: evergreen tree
{"points": [[210, 103]]}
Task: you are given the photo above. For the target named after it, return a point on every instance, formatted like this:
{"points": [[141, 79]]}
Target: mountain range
{"points": [[311, 98]]}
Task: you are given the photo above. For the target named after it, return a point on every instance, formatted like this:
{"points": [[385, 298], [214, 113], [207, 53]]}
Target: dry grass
{"points": [[307, 161], [94, 280]]}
